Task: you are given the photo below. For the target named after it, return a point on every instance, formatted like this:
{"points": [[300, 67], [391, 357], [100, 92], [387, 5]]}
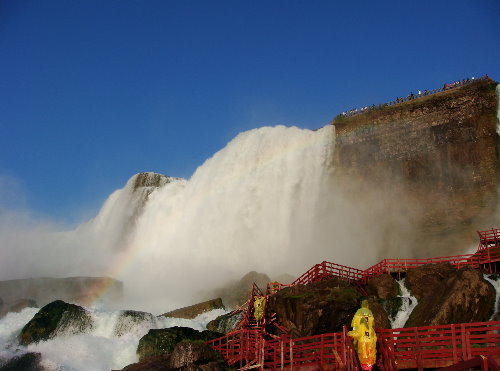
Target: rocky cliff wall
{"points": [[80, 290], [427, 170]]}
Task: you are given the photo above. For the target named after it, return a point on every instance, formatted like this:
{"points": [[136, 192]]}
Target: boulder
{"points": [[422, 281], [448, 295], [380, 316], [152, 363], [189, 353], [225, 323], [317, 308], [24, 362], [163, 341], [383, 286], [195, 310], [185, 356], [131, 321], [56, 318]]}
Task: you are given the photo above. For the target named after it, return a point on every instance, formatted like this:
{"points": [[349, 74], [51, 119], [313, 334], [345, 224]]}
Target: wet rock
{"points": [[131, 320], [56, 318], [152, 363], [189, 353], [195, 310], [422, 281], [383, 286], [380, 315], [185, 356], [25, 362], [317, 308], [225, 323], [163, 341], [447, 295]]}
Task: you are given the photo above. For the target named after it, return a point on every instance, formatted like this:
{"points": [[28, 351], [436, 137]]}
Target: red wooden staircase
{"points": [[451, 347]]}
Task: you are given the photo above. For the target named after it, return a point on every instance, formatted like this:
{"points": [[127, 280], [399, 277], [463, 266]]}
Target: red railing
{"points": [[480, 259], [484, 258], [328, 269], [489, 238], [440, 346], [416, 347], [249, 349]]}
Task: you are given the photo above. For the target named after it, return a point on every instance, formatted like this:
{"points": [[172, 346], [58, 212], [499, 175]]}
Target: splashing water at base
{"points": [[494, 279], [408, 303], [100, 349]]}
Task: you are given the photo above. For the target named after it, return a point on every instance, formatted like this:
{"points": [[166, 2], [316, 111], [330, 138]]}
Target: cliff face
{"points": [[81, 290], [433, 162]]}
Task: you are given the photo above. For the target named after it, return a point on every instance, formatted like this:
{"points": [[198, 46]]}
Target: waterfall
{"points": [[494, 279], [407, 304], [252, 206]]}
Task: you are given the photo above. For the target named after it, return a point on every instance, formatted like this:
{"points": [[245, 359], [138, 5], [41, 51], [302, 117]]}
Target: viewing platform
{"points": [[449, 347]]}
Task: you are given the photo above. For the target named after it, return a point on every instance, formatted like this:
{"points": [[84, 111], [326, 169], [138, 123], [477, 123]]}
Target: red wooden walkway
{"points": [[457, 346]]}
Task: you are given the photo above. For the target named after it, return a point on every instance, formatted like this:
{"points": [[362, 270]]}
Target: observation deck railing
{"points": [[403, 348]]}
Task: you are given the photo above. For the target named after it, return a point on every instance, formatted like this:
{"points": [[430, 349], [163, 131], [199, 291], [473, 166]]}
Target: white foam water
{"points": [[100, 349], [409, 303], [495, 281]]}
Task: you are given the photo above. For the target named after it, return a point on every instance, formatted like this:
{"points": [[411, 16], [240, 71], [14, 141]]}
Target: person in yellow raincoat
{"points": [[364, 337], [259, 306]]}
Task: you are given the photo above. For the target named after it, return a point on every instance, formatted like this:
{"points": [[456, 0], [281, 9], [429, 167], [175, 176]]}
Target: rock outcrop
{"points": [[440, 151], [185, 356], [23, 362], [56, 318], [382, 286], [226, 322], [448, 295], [132, 321], [316, 308], [17, 306], [195, 310], [163, 341], [79, 290]]}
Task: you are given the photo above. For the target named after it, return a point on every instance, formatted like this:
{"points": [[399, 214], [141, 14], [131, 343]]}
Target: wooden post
{"points": [[464, 342], [282, 354], [454, 344], [418, 352]]}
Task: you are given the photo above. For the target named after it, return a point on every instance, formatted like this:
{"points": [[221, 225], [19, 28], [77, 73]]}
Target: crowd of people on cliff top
{"points": [[411, 96]]}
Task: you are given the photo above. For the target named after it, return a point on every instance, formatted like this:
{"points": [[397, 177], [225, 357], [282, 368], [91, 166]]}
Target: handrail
{"points": [[426, 347], [410, 97]]}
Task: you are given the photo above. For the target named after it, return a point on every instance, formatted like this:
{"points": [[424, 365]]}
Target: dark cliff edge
{"points": [[426, 171]]}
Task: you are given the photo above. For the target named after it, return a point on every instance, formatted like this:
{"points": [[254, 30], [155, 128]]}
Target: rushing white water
{"points": [[494, 279], [409, 303], [100, 349], [252, 206]]}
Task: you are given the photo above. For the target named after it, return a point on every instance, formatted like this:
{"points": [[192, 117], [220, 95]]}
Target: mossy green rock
{"points": [[163, 341], [317, 308], [131, 321], [225, 323], [55, 318]]}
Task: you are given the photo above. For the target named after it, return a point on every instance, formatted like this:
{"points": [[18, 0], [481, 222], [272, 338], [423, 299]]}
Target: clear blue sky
{"points": [[92, 92]]}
